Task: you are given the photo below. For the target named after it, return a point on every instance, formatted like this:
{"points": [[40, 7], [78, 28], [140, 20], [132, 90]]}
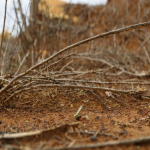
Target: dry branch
{"points": [[131, 27], [22, 63], [122, 70], [38, 132], [110, 143], [100, 100], [3, 27]]}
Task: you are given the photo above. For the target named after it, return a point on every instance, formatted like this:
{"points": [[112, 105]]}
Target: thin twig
{"points": [[3, 27], [144, 74], [100, 100], [91, 133], [100, 82], [110, 143], [66, 65], [22, 63], [143, 43], [22, 15], [56, 62], [147, 54]]}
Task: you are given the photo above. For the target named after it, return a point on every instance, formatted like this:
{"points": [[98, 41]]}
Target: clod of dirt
{"points": [[97, 118], [78, 118]]}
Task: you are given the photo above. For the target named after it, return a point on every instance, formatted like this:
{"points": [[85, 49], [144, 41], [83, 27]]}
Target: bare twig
{"points": [[143, 74], [147, 39], [91, 133], [56, 62], [22, 15], [38, 132], [3, 28], [94, 59], [110, 143], [22, 63], [101, 82], [66, 65], [100, 100], [147, 54]]}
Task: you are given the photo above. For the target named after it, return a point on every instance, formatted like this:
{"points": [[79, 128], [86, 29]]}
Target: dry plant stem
{"points": [[143, 43], [147, 54], [119, 67], [99, 82], [22, 15], [88, 72], [94, 59], [22, 63], [58, 74], [17, 17], [91, 133], [66, 65], [46, 79], [110, 143], [55, 63], [3, 26], [136, 26], [2, 38], [100, 100], [10, 147], [50, 66]]}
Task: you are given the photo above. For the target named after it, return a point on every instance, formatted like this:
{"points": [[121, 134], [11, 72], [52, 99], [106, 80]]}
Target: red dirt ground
{"points": [[128, 118]]}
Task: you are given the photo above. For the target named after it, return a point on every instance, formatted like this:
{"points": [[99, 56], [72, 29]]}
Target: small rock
{"points": [[122, 132], [71, 105], [93, 137]]}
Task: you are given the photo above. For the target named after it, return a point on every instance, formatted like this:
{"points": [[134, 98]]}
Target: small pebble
{"points": [[61, 105], [93, 137]]}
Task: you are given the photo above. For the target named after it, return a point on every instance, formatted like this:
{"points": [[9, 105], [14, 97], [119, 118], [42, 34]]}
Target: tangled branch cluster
{"points": [[83, 65]]}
